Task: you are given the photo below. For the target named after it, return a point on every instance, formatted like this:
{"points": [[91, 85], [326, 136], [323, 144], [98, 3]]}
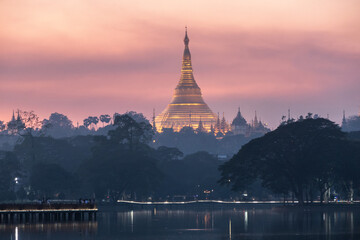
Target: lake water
{"points": [[244, 224]]}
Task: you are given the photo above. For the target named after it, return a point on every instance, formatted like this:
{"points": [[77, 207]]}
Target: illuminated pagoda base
{"points": [[187, 107]]}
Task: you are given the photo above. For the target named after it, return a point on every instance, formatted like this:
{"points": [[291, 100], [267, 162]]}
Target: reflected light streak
{"points": [[206, 201], [132, 220], [229, 228], [16, 233], [219, 201], [246, 221]]}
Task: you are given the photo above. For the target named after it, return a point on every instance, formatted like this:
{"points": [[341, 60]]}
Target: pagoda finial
{"points": [[186, 39]]}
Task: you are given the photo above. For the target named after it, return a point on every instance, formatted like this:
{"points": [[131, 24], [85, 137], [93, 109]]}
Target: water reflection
{"points": [[46, 230], [245, 221], [16, 233], [230, 228], [234, 224]]}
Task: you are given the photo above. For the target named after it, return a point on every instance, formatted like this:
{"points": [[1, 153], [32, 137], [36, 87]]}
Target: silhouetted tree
{"points": [[138, 117], [131, 133], [58, 125], [122, 163], [94, 120], [87, 122], [9, 167], [299, 157], [50, 178], [191, 176], [29, 127], [346, 171], [168, 153], [32, 124], [2, 126], [105, 118], [66, 152]]}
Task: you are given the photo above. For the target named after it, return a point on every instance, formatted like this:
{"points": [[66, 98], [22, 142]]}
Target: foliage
{"points": [[168, 153], [105, 118], [31, 122], [91, 121], [299, 157], [9, 167], [58, 125], [2, 126], [190, 176], [131, 134], [121, 164], [50, 178], [68, 153], [138, 117]]}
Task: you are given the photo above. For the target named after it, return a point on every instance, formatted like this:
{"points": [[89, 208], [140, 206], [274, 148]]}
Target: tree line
{"points": [[306, 159], [119, 165]]}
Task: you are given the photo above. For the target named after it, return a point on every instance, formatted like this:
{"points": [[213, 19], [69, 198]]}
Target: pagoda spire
{"points": [[200, 127], [187, 102], [238, 115], [187, 79], [13, 116], [256, 122], [18, 115]]}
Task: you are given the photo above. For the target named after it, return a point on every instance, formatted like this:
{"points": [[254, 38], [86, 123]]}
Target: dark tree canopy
{"points": [[50, 178], [131, 133], [122, 163], [58, 125], [9, 167], [300, 157], [105, 118]]}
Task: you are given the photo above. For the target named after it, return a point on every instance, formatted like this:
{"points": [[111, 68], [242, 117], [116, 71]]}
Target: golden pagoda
{"points": [[187, 106]]}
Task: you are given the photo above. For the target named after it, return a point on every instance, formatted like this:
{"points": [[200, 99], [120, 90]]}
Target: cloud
{"points": [[96, 58]]}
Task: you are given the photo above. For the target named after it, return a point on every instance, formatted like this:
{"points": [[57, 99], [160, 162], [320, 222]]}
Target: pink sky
{"points": [[93, 57]]}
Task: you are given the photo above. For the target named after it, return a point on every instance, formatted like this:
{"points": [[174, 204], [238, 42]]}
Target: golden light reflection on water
{"points": [[89, 227]]}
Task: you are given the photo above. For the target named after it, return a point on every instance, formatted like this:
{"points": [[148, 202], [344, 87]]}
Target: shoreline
{"points": [[225, 205]]}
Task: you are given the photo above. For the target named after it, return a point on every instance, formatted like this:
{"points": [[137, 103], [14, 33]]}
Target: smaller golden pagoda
{"points": [[187, 106]]}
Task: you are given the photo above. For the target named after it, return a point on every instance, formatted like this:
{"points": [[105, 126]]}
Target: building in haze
{"points": [[187, 107], [239, 125], [15, 125]]}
